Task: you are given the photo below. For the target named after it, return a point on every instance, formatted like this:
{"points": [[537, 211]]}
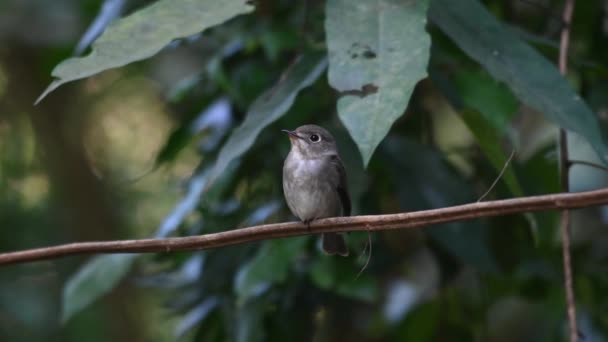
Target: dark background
{"points": [[70, 167]]}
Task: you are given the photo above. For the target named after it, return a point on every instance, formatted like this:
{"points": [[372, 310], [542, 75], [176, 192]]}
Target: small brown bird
{"points": [[314, 181]]}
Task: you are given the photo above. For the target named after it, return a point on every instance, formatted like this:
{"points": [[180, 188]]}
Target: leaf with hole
{"points": [[378, 51]]}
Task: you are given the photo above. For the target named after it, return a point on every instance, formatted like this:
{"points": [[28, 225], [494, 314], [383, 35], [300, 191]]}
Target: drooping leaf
{"points": [[93, 280], [144, 33], [269, 107], [270, 265], [378, 51], [532, 78]]}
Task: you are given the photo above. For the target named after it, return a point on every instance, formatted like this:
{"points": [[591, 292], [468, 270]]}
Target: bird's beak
{"points": [[292, 134]]}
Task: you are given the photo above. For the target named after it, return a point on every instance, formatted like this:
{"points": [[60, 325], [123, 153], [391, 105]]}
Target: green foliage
{"points": [[534, 80], [144, 34], [205, 112], [378, 51], [270, 265], [269, 107], [93, 280]]}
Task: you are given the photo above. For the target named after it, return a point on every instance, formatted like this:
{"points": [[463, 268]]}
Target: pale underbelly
{"points": [[314, 201]]}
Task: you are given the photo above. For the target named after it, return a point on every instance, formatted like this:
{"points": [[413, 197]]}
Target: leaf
{"points": [[249, 321], [486, 108], [144, 33], [186, 206], [215, 118], [338, 275], [378, 51], [270, 265], [93, 280], [490, 98], [110, 10], [426, 182], [487, 136], [195, 316], [533, 79], [269, 107]]}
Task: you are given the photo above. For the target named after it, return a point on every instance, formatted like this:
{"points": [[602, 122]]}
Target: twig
{"points": [[573, 162], [502, 172], [565, 187], [415, 219], [369, 255]]}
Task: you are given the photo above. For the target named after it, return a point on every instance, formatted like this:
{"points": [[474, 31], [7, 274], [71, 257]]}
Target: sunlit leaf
{"points": [[93, 280], [532, 78], [144, 33], [269, 107], [378, 51]]}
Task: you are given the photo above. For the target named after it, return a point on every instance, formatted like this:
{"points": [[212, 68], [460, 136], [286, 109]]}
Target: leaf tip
{"points": [[54, 85]]}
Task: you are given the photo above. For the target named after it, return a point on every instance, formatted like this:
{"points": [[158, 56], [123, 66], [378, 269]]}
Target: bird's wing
{"points": [[342, 187]]}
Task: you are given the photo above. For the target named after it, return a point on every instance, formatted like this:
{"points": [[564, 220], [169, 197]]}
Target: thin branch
{"points": [[565, 187], [369, 255], [415, 219], [502, 172]]}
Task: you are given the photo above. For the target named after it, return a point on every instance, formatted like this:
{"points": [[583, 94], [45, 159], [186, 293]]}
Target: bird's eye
{"points": [[315, 138]]}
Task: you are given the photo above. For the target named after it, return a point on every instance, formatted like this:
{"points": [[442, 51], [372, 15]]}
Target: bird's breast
{"points": [[308, 189]]}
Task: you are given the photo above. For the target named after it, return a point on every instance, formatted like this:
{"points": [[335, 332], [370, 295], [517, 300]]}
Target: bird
{"points": [[314, 182]]}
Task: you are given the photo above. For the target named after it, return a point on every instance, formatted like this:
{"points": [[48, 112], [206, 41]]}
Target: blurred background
{"points": [[125, 154]]}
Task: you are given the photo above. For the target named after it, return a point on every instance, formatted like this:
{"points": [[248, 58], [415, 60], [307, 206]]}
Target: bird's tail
{"points": [[334, 243]]}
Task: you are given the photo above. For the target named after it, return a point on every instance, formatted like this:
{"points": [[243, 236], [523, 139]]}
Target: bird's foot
{"points": [[307, 222]]}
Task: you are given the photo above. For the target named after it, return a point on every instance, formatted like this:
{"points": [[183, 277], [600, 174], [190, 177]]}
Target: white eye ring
{"points": [[315, 138]]}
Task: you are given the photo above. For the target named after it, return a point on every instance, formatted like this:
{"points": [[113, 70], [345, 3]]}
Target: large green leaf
{"points": [[144, 33], [93, 280], [532, 78], [378, 51], [269, 107]]}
